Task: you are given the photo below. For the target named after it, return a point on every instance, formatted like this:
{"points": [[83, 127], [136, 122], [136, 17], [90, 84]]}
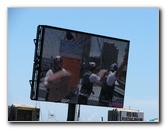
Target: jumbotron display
{"points": [[79, 68]]}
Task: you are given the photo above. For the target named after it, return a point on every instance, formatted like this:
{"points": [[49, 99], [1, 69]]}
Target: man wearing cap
{"points": [[89, 78], [56, 81]]}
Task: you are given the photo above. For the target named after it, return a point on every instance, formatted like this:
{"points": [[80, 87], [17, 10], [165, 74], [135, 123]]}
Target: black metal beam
{"points": [[71, 112]]}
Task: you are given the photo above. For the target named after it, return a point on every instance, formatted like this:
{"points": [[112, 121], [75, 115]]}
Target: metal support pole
{"points": [[71, 112]]}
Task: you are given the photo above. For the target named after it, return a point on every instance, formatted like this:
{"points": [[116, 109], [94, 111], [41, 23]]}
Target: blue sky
{"points": [[139, 25]]}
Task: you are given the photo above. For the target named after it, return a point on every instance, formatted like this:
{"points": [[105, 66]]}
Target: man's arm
{"points": [[95, 79], [120, 69]]}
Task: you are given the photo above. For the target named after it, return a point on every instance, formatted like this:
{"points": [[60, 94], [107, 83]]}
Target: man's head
{"points": [[92, 66], [57, 61], [114, 67]]}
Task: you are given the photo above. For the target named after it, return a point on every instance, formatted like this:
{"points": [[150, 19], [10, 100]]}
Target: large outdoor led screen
{"points": [[79, 68]]}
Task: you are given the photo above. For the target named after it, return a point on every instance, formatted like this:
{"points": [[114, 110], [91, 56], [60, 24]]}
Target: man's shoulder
{"points": [[92, 74], [50, 71], [63, 69], [111, 73]]}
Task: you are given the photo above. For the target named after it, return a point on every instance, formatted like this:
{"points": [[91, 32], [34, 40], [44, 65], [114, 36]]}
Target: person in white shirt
{"points": [[56, 67], [108, 84]]}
